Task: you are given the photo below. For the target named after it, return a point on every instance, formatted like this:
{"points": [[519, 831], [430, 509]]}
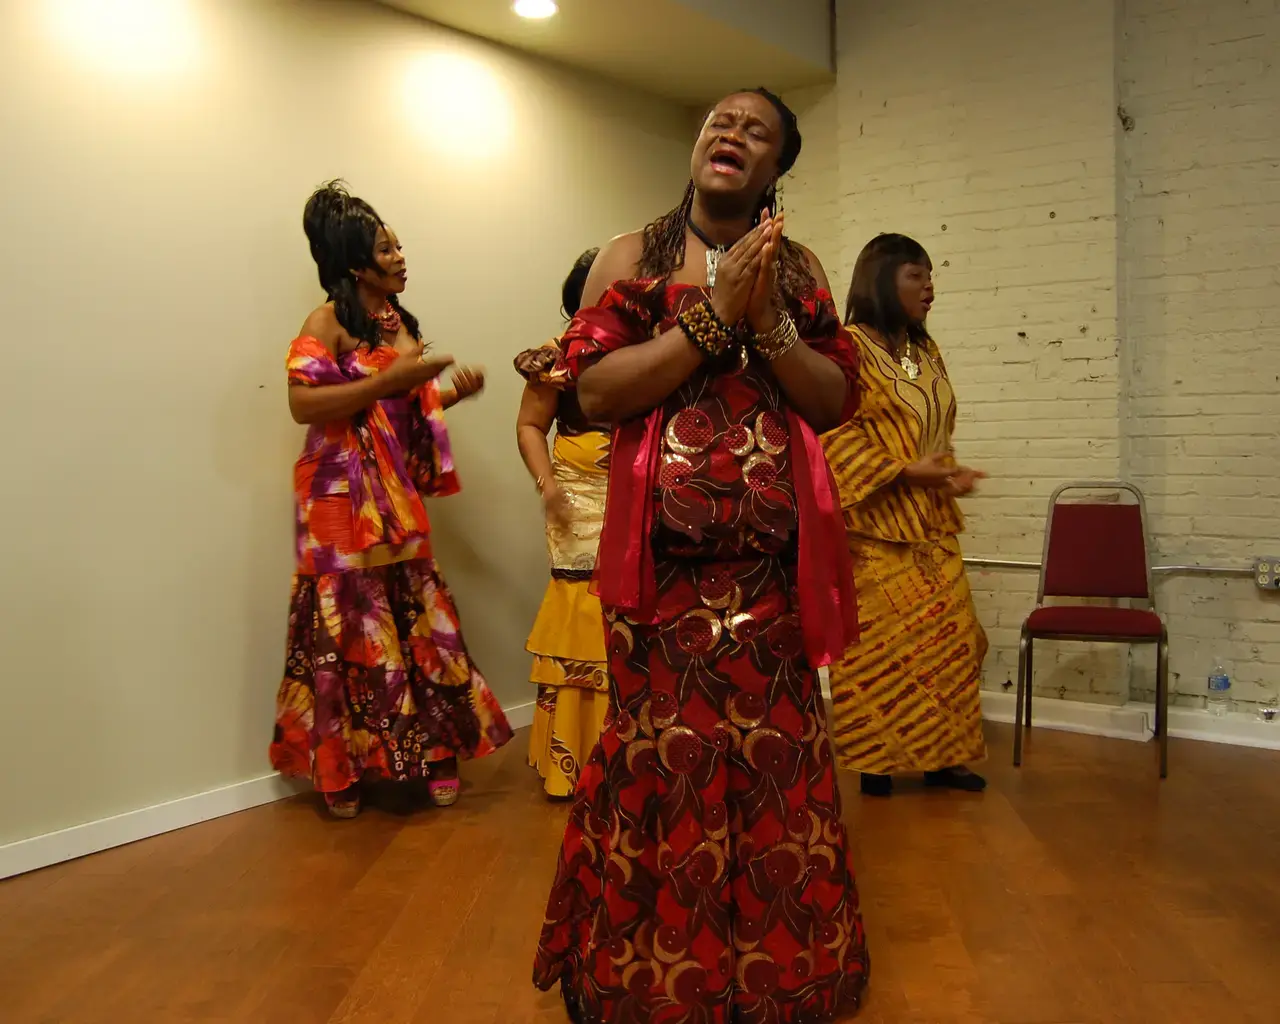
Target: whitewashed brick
{"points": [[1105, 296]]}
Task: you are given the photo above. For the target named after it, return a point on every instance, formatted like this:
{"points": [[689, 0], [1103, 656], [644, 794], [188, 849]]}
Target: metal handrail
{"points": [[1202, 570]]}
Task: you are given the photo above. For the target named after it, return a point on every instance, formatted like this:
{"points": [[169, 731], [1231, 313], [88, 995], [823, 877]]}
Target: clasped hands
{"points": [[747, 278], [939, 471]]}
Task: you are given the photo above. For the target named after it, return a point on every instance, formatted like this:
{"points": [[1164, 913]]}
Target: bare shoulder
{"points": [[619, 260], [815, 266], [623, 251], [322, 324]]}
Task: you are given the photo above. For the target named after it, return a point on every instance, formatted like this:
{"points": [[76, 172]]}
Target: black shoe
{"points": [[956, 778], [875, 785]]}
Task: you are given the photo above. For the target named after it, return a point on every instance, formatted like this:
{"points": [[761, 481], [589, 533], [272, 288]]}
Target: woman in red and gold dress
{"points": [[705, 875]]}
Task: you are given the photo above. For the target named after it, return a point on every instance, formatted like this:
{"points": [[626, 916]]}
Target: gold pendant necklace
{"points": [[909, 365]]}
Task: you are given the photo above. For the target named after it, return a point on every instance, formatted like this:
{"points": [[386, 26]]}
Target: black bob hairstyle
{"points": [[873, 290]]}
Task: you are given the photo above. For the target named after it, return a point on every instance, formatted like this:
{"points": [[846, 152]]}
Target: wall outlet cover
{"points": [[1266, 572]]}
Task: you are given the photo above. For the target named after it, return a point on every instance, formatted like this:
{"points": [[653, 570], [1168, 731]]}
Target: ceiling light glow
{"points": [[535, 8]]}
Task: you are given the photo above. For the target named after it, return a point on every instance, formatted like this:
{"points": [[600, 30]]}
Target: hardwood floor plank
{"points": [[1078, 890]]}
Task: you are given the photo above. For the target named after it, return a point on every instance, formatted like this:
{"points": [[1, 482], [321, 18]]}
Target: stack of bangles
{"points": [[712, 336], [779, 341]]}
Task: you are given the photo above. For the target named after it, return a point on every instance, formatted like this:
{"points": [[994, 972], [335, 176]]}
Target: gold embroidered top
{"points": [[899, 421]]}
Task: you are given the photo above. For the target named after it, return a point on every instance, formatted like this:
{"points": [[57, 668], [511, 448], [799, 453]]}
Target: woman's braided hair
{"points": [[663, 244], [342, 230]]}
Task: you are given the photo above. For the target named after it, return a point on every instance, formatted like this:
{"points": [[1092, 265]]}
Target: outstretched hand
{"points": [[413, 368], [964, 481]]}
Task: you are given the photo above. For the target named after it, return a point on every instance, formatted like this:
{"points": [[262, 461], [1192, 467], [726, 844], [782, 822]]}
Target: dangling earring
{"points": [[777, 197]]}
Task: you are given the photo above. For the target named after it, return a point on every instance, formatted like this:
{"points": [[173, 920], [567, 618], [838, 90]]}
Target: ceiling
{"points": [[689, 51]]}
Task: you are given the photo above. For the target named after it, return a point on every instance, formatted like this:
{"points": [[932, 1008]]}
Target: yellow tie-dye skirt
{"points": [[907, 696]]}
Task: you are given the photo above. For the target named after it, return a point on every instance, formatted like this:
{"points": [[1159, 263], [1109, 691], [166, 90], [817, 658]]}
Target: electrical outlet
{"points": [[1266, 572]]}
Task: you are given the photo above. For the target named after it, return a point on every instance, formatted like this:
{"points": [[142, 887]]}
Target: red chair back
{"points": [[1095, 549]]}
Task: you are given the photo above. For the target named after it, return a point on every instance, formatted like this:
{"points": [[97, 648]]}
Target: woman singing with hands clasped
{"points": [[378, 683], [906, 698], [704, 874]]}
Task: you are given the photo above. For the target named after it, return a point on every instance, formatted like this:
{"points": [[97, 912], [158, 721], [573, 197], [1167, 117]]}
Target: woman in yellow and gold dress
{"points": [[567, 642], [906, 696]]}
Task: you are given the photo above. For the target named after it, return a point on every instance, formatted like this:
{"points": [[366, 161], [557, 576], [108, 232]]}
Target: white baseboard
{"points": [[121, 829], [1122, 723], [1238, 728], [520, 716], [1135, 721], [1130, 722], [95, 836]]}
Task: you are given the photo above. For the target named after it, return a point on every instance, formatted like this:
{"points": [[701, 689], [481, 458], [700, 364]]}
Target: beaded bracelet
{"points": [[779, 341], [705, 330]]}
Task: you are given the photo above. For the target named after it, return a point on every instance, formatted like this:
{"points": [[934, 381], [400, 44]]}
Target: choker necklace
{"points": [[389, 319], [714, 251]]}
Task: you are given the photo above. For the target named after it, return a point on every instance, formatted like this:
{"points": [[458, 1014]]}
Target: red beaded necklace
{"points": [[389, 319]]}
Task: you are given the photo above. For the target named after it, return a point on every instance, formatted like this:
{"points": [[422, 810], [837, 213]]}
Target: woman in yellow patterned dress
{"points": [[567, 643], [906, 697]]}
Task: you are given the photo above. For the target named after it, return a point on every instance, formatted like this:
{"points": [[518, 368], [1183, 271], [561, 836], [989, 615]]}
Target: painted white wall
{"points": [[155, 170]]}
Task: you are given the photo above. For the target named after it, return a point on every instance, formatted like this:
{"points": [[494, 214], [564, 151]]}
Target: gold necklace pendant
{"points": [[909, 365]]}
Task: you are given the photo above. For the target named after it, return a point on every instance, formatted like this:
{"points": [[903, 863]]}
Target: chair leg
{"points": [[1031, 676], [1162, 702], [1022, 687]]}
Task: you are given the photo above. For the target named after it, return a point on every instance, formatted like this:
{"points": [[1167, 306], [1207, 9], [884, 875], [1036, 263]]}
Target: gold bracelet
{"points": [[779, 341], [705, 329]]}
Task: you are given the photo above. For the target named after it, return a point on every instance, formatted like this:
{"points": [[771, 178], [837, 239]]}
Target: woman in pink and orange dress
{"points": [[378, 682]]}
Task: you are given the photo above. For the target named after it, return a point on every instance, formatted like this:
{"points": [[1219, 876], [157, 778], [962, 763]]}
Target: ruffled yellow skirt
{"points": [[572, 675]]}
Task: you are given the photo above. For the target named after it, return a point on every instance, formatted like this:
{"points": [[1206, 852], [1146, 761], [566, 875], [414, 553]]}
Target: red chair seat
{"points": [[1084, 620]]}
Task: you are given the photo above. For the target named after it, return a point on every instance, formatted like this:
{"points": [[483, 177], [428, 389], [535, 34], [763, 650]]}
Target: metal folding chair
{"points": [[1095, 549]]}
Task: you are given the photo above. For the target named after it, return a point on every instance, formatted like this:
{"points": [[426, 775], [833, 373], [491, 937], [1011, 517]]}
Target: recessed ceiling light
{"points": [[535, 8]]}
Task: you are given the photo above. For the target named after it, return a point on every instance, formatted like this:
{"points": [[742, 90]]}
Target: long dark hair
{"points": [[873, 290], [662, 252], [571, 292], [343, 230]]}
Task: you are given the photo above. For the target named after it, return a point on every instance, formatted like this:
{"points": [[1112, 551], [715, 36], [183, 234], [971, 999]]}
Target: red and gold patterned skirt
{"points": [[705, 875]]}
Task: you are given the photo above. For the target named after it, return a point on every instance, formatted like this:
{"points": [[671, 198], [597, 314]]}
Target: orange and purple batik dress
{"points": [[378, 681], [705, 876]]}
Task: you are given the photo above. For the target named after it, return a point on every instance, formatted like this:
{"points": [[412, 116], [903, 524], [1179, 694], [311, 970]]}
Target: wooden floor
{"points": [[1079, 889]]}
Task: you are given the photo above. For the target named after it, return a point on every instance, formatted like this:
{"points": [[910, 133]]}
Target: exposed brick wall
{"points": [[1200, 243], [814, 216], [1087, 339]]}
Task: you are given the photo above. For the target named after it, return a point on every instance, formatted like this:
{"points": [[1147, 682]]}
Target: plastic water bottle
{"points": [[1218, 702]]}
